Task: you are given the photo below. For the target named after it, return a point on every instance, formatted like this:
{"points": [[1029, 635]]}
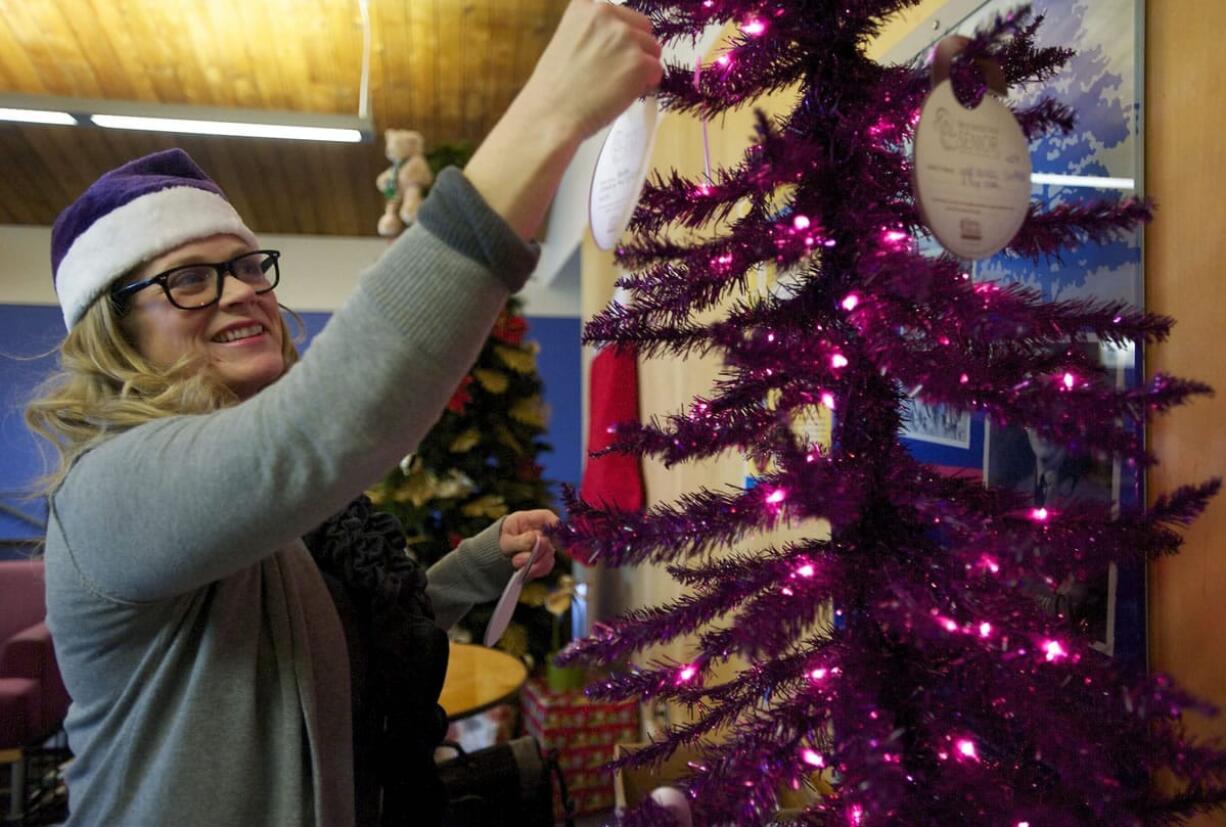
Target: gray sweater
{"points": [[200, 645]]}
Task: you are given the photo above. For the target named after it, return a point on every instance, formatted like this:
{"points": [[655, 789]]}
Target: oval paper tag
{"points": [[972, 173], [620, 172], [501, 618]]}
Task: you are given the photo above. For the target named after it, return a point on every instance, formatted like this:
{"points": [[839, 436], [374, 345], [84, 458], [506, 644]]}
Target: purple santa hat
{"points": [[130, 215]]}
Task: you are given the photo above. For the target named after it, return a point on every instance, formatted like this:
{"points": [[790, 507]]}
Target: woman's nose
{"points": [[236, 291]]}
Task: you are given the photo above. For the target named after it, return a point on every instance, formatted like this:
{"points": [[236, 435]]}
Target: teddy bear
{"points": [[402, 183]]}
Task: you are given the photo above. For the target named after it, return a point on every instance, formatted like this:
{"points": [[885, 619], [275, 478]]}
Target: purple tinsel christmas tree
{"points": [[945, 694]]}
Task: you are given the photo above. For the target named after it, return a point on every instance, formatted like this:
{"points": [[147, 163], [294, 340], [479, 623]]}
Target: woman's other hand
{"points": [[519, 532]]}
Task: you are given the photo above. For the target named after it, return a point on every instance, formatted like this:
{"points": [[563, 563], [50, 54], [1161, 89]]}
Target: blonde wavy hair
{"points": [[104, 386]]}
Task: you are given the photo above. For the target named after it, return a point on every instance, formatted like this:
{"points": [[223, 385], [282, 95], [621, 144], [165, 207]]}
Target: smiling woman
{"points": [[235, 326], [147, 352], [164, 343], [240, 634], [135, 605]]}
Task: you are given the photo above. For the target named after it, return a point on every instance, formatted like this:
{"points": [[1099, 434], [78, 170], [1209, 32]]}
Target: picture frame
{"points": [[1101, 157]]}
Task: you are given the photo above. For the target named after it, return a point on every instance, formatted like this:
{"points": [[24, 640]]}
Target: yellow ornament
{"points": [[492, 380], [534, 594], [529, 411], [514, 640], [508, 439], [455, 485], [418, 488], [520, 360], [491, 505], [556, 603], [465, 441], [559, 599]]}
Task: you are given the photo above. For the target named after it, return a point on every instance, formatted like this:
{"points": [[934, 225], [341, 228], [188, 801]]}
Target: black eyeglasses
{"points": [[194, 286]]}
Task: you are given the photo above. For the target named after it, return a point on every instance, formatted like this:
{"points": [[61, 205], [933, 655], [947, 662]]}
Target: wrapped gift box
{"points": [[582, 732]]}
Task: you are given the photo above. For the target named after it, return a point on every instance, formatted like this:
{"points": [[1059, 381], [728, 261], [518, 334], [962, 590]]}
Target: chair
{"points": [[33, 700]]}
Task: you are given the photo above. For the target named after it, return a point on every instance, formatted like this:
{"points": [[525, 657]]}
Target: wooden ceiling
{"points": [[447, 68]]}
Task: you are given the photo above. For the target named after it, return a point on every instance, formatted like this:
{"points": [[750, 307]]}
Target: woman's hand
{"points": [[600, 59], [519, 533]]}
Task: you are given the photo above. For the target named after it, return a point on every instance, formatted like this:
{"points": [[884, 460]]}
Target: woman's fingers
{"points": [[633, 18], [542, 566], [521, 531], [648, 44], [599, 60], [520, 521], [517, 544]]}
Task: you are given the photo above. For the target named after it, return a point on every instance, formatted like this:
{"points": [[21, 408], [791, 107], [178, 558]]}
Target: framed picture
{"points": [[939, 424], [948, 439], [1101, 157], [1050, 476]]}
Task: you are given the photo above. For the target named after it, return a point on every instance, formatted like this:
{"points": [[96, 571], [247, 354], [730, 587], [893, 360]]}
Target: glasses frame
{"points": [[120, 296]]}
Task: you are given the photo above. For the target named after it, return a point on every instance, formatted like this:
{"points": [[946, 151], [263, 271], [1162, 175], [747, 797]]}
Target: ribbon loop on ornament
{"points": [[954, 45], [706, 141]]}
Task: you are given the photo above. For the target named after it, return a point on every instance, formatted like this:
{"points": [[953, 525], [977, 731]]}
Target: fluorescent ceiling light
{"points": [[180, 118], [1042, 178], [37, 116], [232, 128]]}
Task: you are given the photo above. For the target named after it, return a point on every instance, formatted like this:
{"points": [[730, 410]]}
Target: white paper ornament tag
{"points": [[971, 166], [621, 170], [501, 618]]}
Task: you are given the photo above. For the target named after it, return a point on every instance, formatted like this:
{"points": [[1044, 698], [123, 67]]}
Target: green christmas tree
{"points": [[478, 463]]}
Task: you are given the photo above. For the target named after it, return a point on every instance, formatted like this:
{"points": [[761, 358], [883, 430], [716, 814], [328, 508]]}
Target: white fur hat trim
{"points": [[140, 230]]}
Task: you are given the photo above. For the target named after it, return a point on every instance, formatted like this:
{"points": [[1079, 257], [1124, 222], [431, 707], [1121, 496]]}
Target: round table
{"points": [[479, 678]]}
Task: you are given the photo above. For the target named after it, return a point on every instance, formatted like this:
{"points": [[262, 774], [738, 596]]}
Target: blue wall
{"points": [[559, 365], [27, 331]]}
